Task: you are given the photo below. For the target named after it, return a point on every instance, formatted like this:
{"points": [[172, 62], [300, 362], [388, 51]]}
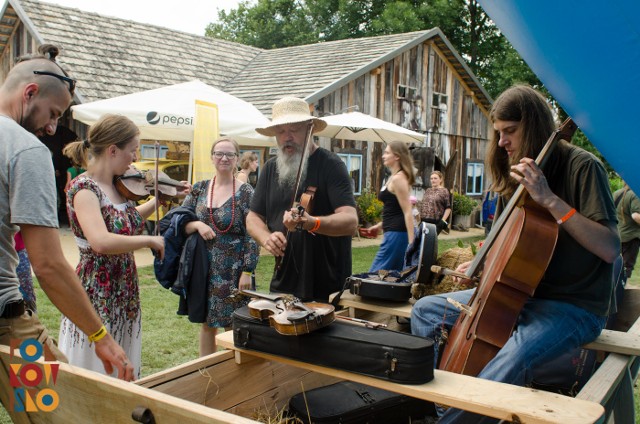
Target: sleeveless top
{"points": [[392, 215]]}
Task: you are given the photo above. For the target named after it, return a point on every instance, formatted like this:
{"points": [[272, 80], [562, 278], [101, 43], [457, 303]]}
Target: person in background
{"points": [[248, 164], [222, 205], [24, 274], [397, 216], [435, 207], [414, 211], [33, 97], [628, 209], [316, 255], [575, 296], [72, 172], [107, 228]]}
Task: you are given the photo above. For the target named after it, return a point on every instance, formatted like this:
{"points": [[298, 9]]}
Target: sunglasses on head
{"points": [[70, 81]]}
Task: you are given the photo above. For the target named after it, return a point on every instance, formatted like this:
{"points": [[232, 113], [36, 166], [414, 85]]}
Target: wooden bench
{"points": [[611, 385], [485, 397], [626, 343]]}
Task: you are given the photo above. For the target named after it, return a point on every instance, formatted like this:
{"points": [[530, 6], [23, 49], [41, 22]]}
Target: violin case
{"points": [[348, 402], [375, 352], [396, 286]]}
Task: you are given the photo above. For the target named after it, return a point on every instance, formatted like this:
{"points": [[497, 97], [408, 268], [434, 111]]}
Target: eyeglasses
{"points": [[229, 155], [70, 81]]}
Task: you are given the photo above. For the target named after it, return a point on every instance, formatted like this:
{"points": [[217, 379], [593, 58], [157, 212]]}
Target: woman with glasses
{"points": [[222, 205]]}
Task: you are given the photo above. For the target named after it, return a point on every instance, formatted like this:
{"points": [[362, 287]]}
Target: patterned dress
{"points": [[111, 281], [230, 253]]}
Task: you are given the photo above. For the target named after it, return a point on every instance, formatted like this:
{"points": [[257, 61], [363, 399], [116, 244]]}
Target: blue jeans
{"points": [[545, 330], [390, 256]]}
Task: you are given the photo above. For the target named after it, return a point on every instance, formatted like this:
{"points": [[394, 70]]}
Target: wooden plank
{"points": [[86, 396], [616, 342], [605, 380], [485, 397], [170, 374], [349, 300]]}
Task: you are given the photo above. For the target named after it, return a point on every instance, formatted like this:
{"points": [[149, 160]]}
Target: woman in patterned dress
{"points": [[222, 205], [107, 228]]}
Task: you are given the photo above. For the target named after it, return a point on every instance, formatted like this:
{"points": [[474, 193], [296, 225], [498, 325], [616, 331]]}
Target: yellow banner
{"points": [[205, 132]]}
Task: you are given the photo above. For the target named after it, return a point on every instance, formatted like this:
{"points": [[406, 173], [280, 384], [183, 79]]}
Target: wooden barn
{"points": [[416, 80]]}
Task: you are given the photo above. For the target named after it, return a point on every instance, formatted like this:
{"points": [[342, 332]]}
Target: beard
{"points": [[28, 123], [288, 168]]}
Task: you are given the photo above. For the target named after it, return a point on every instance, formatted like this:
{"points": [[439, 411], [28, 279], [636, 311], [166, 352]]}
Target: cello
{"points": [[513, 258]]}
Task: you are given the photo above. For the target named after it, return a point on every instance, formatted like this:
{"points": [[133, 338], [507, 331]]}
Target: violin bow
{"points": [[156, 230], [305, 154]]}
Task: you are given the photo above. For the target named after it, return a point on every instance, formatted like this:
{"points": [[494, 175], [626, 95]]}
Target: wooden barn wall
{"points": [[463, 126]]}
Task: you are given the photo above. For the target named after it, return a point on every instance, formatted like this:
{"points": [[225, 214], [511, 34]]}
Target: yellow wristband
{"points": [[246, 273], [98, 335]]}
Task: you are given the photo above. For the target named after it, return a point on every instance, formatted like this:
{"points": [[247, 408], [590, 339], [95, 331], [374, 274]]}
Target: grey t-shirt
{"points": [[27, 196]]}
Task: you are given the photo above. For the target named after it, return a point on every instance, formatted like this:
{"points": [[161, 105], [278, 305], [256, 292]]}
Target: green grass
{"points": [[168, 339]]}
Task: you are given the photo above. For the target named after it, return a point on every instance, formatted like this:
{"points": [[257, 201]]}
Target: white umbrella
{"points": [[363, 127], [167, 113]]}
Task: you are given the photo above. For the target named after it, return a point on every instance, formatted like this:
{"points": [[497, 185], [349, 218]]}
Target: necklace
{"points": [[233, 207]]}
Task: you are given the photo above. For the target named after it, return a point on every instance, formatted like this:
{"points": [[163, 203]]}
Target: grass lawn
{"points": [[169, 339]]}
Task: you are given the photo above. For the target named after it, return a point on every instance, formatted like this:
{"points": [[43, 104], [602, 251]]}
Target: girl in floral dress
{"points": [[222, 205], [107, 228]]}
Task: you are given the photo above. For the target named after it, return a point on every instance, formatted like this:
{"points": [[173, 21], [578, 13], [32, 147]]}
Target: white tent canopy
{"points": [[167, 113], [363, 127]]}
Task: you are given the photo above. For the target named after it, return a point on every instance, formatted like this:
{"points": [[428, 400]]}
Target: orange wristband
{"points": [[316, 227], [567, 216]]}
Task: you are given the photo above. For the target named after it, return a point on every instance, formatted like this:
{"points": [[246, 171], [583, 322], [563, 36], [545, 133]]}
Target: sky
{"points": [[185, 15]]}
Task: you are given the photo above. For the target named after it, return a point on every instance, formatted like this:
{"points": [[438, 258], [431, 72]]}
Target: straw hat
{"points": [[290, 110]]}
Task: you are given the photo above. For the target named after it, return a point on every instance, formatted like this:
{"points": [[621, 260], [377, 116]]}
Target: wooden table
{"points": [[485, 397]]}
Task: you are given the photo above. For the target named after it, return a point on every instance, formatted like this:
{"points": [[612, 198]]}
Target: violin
{"points": [[306, 198], [139, 185], [288, 315]]}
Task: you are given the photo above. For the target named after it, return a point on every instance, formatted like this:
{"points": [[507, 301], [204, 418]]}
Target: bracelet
{"points": [[247, 273], [98, 335], [316, 227], [567, 216]]}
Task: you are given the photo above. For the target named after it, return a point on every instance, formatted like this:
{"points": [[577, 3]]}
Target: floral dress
{"points": [[230, 253], [111, 281]]}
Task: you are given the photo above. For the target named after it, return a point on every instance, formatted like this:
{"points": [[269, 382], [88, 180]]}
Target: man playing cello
{"points": [[316, 254], [572, 301]]}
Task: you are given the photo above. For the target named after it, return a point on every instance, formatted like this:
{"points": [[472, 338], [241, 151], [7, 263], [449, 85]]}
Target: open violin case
{"points": [[396, 286], [375, 352]]}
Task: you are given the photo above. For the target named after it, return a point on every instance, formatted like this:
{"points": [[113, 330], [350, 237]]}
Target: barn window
{"points": [[354, 167], [475, 173], [148, 151]]}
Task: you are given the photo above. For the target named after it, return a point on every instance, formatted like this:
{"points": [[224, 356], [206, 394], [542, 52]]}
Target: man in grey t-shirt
{"points": [[34, 95]]}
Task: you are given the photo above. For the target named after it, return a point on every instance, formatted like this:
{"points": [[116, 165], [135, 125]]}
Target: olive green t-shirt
{"points": [[627, 205], [574, 274]]}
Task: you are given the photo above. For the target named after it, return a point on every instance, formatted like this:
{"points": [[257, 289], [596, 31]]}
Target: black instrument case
{"points": [[375, 352], [348, 402], [396, 286]]}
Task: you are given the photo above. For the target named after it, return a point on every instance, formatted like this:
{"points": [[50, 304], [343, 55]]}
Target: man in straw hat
{"points": [[33, 97], [316, 254]]}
